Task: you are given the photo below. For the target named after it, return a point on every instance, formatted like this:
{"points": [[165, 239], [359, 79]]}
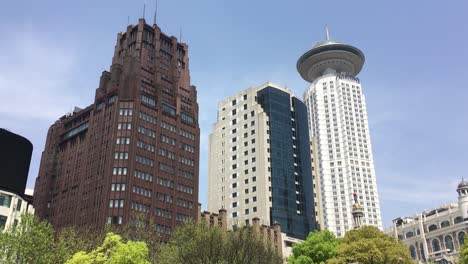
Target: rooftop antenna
{"points": [[144, 8], [128, 21], [180, 35], [326, 30], [155, 11]]}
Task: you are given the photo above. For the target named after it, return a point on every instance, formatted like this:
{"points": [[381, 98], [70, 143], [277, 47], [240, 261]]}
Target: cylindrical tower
{"points": [[339, 125], [462, 190]]}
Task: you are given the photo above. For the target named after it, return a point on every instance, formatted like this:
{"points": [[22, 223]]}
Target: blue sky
{"points": [[53, 52]]}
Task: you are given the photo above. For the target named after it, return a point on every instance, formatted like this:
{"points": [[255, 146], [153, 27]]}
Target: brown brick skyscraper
{"points": [[136, 149]]}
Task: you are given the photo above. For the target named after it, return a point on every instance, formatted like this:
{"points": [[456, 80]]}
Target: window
{"points": [[234, 204], [169, 110], [461, 238], [144, 161], [122, 141], [146, 131], [125, 111], [186, 161], [165, 182], [5, 200], [3, 220], [168, 126], [435, 245], [116, 203], [186, 118], [166, 168], [121, 155], [120, 126], [449, 243], [445, 224], [148, 100], [118, 187], [142, 191], [148, 118], [234, 102], [117, 171]]}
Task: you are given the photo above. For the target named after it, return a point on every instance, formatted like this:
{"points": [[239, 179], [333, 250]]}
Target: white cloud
{"points": [[34, 75]]}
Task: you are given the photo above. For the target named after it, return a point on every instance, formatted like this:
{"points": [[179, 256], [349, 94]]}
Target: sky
{"points": [[53, 52]]}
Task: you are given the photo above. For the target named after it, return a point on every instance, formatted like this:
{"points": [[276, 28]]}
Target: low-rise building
{"points": [[436, 234], [12, 206], [15, 158]]}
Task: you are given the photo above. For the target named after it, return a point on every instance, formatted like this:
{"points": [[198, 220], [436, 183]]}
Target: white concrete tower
{"points": [[339, 127], [463, 198]]}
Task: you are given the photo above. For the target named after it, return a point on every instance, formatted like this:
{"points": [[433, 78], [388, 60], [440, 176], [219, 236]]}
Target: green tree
{"points": [[316, 249], [114, 251], [29, 241], [464, 252], [369, 245], [197, 243]]}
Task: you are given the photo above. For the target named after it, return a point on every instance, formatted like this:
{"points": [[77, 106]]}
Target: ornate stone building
{"points": [[436, 234]]}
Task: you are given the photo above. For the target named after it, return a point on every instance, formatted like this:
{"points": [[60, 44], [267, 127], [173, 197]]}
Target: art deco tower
{"points": [[135, 149], [340, 131]]}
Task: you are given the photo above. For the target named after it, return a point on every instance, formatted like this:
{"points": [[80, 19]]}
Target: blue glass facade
{"points": [[296, 219]]}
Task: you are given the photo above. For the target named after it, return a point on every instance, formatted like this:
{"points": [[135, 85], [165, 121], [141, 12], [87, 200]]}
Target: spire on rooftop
{"points": [[328, 33]]}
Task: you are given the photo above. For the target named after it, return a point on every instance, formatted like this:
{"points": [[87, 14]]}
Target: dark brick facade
{"points": [[136, 149]]}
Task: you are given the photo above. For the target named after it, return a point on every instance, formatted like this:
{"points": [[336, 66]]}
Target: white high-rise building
{"points": [[340, 131], [260, 162]]}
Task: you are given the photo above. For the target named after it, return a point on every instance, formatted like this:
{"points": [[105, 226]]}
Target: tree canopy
{"points": [[29, 241], [34, 241], [113, 251], [369, 245], [366, 245], [316, 249], [464, 251], [198, 243]]}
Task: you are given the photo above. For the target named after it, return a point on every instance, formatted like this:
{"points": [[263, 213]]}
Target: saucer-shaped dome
{"points": [[463, 184], [330, 54]]}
